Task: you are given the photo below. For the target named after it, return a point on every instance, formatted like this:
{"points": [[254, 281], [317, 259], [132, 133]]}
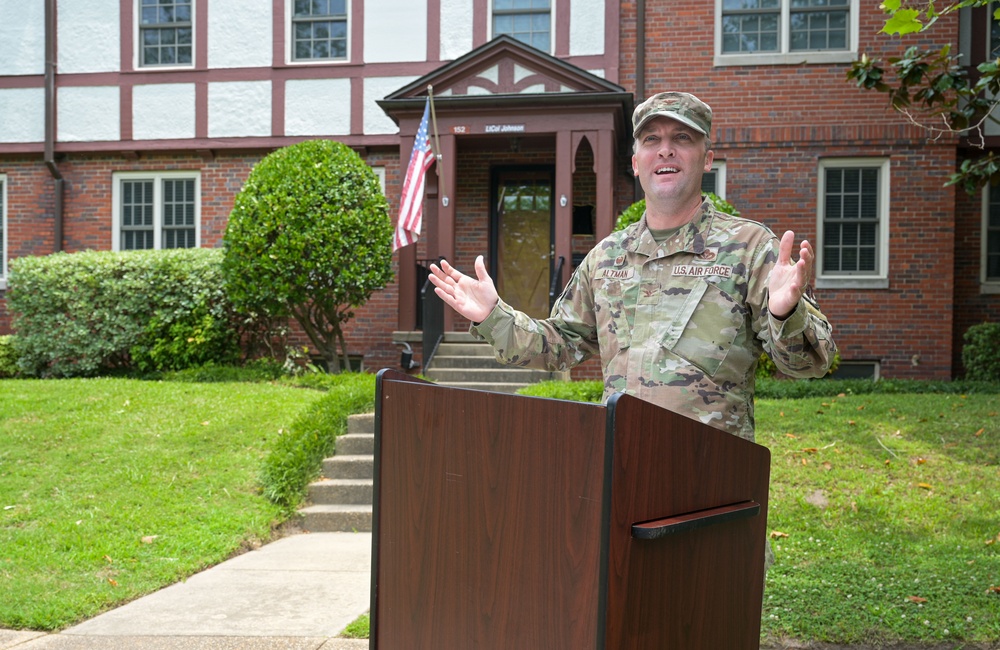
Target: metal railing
{"points": [[555, 283], [430, 312]]}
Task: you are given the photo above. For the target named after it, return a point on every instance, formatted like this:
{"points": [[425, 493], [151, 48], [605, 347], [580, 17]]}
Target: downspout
{"points": [[50, 120], [640, 73]]}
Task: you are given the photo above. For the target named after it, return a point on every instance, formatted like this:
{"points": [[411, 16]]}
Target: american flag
{"points": [[411, 206]]}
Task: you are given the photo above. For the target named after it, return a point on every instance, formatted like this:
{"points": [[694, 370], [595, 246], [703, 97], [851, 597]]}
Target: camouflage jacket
{"points": [[681, 324]]}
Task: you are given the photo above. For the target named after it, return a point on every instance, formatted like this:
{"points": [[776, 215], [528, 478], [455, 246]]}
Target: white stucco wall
{"points": [[586, 27], [376, 121], [88, 113], [456, 28], [22, 37], [163, 111], [239, 109], [239, 33], [396, 31], [89, 36], [22, 114], [318, 107]]}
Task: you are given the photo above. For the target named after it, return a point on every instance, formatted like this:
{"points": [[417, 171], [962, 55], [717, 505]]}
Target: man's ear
{"points": [[709, 158], [635, 168]]}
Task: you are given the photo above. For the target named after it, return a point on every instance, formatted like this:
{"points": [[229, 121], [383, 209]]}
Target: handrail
{"points": [[432, 320], [555, 286]]}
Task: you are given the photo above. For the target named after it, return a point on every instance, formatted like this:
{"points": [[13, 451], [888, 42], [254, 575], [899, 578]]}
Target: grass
{"points": [[884, 518], [114, 488], [883, 510]]}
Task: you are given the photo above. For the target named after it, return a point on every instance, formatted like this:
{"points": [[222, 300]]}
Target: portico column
{"points": [[604, 171], [447, 179], [564, 203]]}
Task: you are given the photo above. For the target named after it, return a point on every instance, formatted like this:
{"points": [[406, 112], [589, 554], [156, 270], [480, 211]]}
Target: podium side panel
{"points": [[489, 520], [701, 588]]}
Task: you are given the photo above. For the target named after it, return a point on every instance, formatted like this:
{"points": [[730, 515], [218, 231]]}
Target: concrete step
{"points": [[356, 466], [361, 423], [356, 444], [336, 518], [509, 388], [342, 491], [450, 376], [471, 349], [451, 361]]}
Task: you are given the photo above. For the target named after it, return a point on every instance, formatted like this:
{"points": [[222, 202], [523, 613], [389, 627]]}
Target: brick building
{"points": [[112, 108]]}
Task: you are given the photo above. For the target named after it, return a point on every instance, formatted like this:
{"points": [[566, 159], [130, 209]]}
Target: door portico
{"points": [[507, 103]]}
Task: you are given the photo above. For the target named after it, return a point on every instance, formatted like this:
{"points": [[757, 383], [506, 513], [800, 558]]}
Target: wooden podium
{"points": [[503, 521]]}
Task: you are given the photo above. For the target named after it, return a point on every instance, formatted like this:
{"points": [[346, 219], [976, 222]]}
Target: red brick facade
{"points": [[774, 126]]}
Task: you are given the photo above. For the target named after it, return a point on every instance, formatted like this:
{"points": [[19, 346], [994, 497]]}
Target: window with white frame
{"points": [[156, 210], [853, 205], [529, 21], [714, 181], [991, 239], [319, 30], [753, 32], [166, 33], [3, 231]]}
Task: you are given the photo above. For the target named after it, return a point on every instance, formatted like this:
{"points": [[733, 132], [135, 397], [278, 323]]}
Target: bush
{"points": [[591, 390], [981, 352], [86, 313], [309, 237], [767, 388], [8, 357], [634, 212], [296, 457]]}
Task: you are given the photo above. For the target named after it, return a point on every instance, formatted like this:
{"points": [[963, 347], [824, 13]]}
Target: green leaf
{"points": [[903, 21]]}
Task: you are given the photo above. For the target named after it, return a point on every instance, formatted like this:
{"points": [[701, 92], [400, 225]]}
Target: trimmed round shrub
{"points": [[981, 352], [309, 237]]}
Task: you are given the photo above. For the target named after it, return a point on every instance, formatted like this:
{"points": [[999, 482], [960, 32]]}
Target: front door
{"points": [[522, 238]]}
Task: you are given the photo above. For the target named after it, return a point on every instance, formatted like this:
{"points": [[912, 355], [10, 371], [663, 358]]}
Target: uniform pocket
{"points": [[705, 328], [614, 332]]}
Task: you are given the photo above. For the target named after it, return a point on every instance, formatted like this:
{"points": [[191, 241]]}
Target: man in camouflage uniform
{"points": [[679, 305]]}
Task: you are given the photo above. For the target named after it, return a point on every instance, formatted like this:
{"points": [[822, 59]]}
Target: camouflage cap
{"points": [[683, 107]]}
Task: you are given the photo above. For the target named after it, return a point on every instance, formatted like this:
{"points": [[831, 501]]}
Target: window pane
{"points": [[851, 220]]}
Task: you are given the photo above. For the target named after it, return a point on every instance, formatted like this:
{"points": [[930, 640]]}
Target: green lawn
{"points": [[885, 517], [112, 488], [884, 511]]}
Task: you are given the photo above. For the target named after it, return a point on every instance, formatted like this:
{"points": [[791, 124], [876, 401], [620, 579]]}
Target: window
{"points": [[319, 30], [156, 210], [785, 31], [3, 231], [165, 33], [991, 239], [529, 21], [853, 222], [715, 181]]}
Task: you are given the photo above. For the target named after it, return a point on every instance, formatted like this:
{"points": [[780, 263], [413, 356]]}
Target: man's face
{"points": [[669, 161]]}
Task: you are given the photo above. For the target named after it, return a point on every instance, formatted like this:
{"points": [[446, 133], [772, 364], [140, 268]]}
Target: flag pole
{"points": [[437, 147]]}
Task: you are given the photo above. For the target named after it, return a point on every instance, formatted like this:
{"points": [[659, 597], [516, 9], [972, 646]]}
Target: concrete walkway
{"points": [[296, 593]]}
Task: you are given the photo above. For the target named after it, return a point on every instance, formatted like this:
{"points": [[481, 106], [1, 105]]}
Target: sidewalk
{"points": [[296, 593]]}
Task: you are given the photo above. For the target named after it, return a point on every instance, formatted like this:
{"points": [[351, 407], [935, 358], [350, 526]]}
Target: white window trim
{"points": [[380, 174], [985, 286], [874, 281], [137, 44], [157, 177], [785, 57], [5, 231], [290, 39], [719, 167], [552, 24]]}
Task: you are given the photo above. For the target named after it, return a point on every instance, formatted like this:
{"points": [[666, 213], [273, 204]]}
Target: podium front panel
{"points": [[489, 520]]}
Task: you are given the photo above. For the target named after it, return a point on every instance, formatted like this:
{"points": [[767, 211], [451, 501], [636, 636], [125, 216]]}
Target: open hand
{"points": [[789, 279], [473, 298]]}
